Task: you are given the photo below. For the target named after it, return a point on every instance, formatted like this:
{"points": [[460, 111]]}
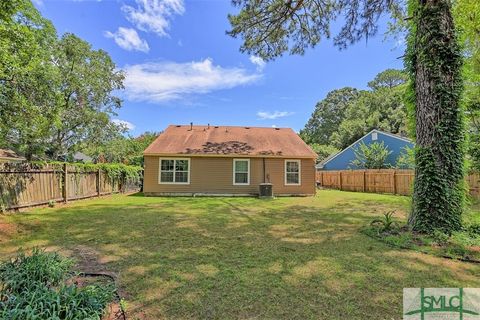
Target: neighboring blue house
{"points": [[342, 160]]}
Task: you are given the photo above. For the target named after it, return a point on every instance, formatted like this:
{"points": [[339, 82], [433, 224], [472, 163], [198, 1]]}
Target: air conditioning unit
{"points": [[266, 190]]}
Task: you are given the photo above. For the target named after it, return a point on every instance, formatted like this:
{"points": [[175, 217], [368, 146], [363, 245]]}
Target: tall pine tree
{"points": [[270, 28]]}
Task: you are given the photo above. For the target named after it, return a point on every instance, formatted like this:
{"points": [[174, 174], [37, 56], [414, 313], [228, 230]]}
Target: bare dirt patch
{"points": [[89, 263], [88, 260], [7, 230]]}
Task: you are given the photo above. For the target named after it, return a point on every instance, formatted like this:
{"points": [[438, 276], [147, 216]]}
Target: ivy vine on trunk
{"points": [[434, 62]]}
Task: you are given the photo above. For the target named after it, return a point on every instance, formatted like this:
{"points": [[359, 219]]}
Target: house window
{"points": [[241, 171], [174, 171], [292, 172]]}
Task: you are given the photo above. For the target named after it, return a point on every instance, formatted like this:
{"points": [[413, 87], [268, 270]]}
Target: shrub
{"points": [[406, 159], [373, 156], [34, 287]]}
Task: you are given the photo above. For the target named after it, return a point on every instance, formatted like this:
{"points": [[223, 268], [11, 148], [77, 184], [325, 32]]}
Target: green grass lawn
{"points": [[240, 258]]}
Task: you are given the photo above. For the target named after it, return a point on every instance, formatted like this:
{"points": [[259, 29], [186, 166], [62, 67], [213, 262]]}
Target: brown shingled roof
{"points": [[6, 154], [230, 141]]}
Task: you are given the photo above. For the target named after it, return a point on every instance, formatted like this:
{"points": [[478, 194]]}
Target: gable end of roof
{"points": [[330, 158]]}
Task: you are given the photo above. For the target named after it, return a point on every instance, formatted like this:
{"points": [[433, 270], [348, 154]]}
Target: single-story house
{"points": [[226, 160], [342, 160], [82, 157], [76, 157], [7, 155]]}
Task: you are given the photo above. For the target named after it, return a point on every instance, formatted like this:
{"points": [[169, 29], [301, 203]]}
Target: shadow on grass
{"points": [[136, 194], [238, 258]]}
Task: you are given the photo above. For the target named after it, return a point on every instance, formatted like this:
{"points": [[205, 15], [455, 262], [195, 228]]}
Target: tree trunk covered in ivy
{"points": [[434, 61]]}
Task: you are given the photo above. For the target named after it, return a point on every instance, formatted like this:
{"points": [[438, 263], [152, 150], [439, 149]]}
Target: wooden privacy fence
{"points": [[381, 181], [22, 187]]}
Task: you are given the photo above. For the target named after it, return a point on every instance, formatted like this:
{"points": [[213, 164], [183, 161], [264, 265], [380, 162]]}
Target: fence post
{"points": [[99, 176], [321, 178], [65, 183], [340, 179], [364, 186], [394, 182]]}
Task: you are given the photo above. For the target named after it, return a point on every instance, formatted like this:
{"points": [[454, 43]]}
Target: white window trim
{"points": [[299, 172], [160, 170], [248, 173]]}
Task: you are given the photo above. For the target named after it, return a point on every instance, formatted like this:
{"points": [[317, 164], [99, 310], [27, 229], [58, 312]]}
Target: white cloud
{"points": [[154, 15], [264, 115], [124, 124], [128, 39], [163, 81], [258, 62]]}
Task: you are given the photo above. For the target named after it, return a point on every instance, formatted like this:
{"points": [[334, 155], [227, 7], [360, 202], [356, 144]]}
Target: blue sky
{"points": [[181, 67]]}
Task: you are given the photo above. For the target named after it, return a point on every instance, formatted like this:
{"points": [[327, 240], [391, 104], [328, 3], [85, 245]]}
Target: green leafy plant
{"points": [[115, 171], [386, 224], [123, 305], [39, 268], [473, 230], [440, 238], [51, 203], [406, 159], [35, 287]]}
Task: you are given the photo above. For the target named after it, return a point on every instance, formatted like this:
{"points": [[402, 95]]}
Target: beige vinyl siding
{"points": [[214, 175]]}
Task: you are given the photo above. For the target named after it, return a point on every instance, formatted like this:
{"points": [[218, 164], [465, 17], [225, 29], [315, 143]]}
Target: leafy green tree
{"points": [[328, 115], [389, 78], [271, 28], [323, 150], [121, 149], [467, 17], [55, 95], [27, 77], [347, 114], [371, 156], [87, 79]]}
